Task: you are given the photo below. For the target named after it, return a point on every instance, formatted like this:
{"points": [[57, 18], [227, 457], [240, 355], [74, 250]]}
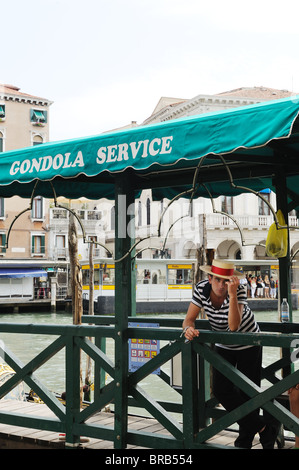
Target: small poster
{"points": [[142, 350]]}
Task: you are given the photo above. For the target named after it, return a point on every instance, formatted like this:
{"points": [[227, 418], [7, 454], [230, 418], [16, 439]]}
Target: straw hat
{"points": [[222, 269]]}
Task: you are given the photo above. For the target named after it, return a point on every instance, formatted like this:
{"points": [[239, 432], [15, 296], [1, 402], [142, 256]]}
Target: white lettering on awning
{"points": [[46, 163], [142, 148]]}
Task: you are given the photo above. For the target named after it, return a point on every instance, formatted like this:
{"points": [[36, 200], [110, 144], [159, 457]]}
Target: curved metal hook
{"points": [[233, 185], [79, 221], [233, 219], [192, 190], [166, 236], [146, 248]]}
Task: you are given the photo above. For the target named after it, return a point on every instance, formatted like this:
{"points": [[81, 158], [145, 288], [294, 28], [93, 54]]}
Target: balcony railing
{"points": [[200, 420], [244, 221], [63, 214]]}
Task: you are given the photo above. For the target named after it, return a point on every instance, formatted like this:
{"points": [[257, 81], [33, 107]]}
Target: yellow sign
{"points": [[179, 266], [86, 266], [179, 286]]}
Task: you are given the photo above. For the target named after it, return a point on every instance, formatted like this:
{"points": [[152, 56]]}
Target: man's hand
{"points": [[191, 333], [232, 286]]}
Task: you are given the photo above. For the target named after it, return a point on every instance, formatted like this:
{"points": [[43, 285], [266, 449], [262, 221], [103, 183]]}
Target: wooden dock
{"points": [[16, 437]]}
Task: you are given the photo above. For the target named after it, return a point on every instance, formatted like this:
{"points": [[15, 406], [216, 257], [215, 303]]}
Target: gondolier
{"points": [[223, 299]]}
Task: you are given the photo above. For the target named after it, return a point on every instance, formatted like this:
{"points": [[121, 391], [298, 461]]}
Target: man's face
{"points": [[219, 285]]}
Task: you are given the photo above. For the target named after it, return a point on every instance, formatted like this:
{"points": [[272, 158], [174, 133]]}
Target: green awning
{"points": [[39, 116], [164, 156]]}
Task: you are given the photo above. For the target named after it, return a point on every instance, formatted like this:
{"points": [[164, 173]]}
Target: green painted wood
{"points": [[190, 404], [125, 299], [73, 384], [197, 406]]}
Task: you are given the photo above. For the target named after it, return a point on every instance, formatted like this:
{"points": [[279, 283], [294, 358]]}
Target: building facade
{"points": [[24, 122]]}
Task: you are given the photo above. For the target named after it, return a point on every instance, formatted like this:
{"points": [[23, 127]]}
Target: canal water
{"points": [[52, 374]]}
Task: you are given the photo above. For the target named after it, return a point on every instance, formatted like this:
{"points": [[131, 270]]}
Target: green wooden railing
{"points": [[199, 416]]}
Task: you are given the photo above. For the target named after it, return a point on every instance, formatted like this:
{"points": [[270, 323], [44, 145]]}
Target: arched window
{"points": [[148, 211], [139, 214], [264, 209], [37, 140], [227, 204]]}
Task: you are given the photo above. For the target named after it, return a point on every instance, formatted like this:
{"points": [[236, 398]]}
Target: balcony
{"points": [[250, 222], [59, 213]]}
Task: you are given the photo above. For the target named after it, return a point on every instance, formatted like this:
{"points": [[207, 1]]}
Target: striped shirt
{"points": [[219, 318]]}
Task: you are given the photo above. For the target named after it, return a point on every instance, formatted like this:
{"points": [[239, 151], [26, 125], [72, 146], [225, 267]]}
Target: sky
{"points": [[105, 63]]}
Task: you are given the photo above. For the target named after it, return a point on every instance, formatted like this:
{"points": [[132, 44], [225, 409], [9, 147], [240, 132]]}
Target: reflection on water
{"points": [[52, 374]]}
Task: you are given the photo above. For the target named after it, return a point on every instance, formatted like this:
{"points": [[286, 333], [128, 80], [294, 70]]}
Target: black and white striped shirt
{"points": [[219, 318]]}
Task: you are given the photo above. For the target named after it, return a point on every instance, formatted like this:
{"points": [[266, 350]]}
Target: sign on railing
{"points": [[142, 350]]}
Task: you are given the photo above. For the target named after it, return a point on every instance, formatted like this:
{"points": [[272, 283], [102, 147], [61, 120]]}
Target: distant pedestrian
{"points": [[267, 286], [272, 288], [253, 287]]}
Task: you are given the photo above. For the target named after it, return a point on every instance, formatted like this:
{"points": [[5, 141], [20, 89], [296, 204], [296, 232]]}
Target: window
{"points": [[227, 204], [139, 214], [148, 211], [108, 274], [60, 246], [179, 274], [264, 209], [1, 142], [38, 117], [1, 207], [2, 242], [97, 275], [38, 244], [2, 112], [37, 140], [93, 244], [37, 208]]}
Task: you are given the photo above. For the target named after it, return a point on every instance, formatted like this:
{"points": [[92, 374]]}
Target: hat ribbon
{"points": [[222, 271]]}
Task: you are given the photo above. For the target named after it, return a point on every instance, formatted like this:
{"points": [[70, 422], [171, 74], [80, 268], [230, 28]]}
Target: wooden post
{"points": [[53, 293], [76, 280], [87, 382]]}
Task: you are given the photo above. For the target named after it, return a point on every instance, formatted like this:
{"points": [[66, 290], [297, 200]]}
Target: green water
{"points": [[52, 374]]}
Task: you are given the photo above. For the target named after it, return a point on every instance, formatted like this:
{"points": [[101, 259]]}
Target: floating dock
{"points": [[17, 437]]}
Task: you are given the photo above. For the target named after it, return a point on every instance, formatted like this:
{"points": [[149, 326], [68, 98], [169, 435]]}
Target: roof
{"points": [[13, 92], [197, 155], [172, 108], [258, 93], [165, 102]]}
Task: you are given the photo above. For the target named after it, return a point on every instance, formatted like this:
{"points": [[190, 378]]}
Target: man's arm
{"points": [[235, 309], [189, 322]]}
